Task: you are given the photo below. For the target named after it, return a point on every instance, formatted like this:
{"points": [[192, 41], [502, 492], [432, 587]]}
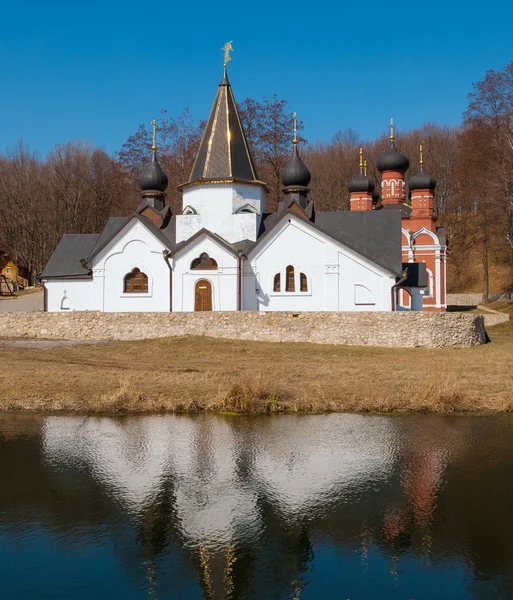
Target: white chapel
{"points": [[224, 252]]}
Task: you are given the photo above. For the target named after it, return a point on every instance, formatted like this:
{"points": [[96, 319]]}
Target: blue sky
{"points": [[94, 71]]}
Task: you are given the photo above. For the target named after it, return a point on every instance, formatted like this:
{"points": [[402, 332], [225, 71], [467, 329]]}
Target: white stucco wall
{"points": [[135, 247], [338, 279], [332, 273], [216, 207], [224, 279], [65, 295]]}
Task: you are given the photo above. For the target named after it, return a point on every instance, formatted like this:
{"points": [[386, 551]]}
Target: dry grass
{"points": [[505, 306], [195, 374]]}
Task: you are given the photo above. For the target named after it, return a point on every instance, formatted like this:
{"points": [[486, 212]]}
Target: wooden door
{"points": [[203, 295]]}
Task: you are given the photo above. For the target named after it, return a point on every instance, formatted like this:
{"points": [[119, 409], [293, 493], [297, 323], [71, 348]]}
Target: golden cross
{"points": [[391, 130], [294, 117], [421, 158], [154, 126], [227, 48], [361, 158], [365, 168]]}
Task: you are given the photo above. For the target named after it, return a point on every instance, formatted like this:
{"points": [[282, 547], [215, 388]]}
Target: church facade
{"points": [[226, 253]]}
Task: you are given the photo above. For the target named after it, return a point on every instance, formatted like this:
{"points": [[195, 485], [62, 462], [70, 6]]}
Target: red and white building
{"points": [[422, 241]]}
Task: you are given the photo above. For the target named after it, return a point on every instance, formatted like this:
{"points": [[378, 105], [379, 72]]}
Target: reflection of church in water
{"points": [[225, 252], [191, 507]]}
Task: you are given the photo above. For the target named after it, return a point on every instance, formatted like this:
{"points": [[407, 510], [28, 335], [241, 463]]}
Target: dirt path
{"points": [[25, 303]]}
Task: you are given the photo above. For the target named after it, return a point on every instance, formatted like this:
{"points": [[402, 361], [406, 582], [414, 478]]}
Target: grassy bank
{"points": [[194, 374]]}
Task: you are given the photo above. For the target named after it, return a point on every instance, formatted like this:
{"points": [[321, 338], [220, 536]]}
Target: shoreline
{"points": [[199, 374]]}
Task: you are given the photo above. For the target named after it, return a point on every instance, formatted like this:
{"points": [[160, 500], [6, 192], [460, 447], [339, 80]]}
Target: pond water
{"points": [[264, 508]]}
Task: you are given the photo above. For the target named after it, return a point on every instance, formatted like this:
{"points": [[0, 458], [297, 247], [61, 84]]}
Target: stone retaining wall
{"points": [[406, 329], [474, 299]]}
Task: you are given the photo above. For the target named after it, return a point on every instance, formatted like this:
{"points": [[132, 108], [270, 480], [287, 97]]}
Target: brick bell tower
{"points": [[422, 191], [361, 189], [392, 165]]}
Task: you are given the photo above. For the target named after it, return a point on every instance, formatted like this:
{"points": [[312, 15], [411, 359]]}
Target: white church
{"points": [[225, 252]]}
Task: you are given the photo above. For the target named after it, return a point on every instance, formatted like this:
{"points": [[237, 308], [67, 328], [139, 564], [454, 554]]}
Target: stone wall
{"points": [[406, 329], [474, 299]]}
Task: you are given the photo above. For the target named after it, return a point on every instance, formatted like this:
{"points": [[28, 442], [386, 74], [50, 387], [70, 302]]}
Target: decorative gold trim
{"points": [[205, 181], [154, 127], [248, 153], [212, 135], [204, 133], [228, 137]]}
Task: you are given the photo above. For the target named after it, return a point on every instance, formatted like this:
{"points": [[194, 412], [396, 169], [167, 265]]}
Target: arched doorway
{"points": [[203, 295]]}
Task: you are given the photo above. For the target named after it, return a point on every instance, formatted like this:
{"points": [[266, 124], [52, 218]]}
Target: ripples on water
{"points": [[279, 508]]}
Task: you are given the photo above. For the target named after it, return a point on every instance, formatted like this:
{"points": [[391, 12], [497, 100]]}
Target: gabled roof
{"points": [[65, 260], [224, 154], [116, 224], [231, 248], [374, 235]]}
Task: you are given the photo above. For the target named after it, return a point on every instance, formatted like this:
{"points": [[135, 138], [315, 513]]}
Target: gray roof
{"points": [[224, 153], [65, 260], [113, 226], [375, 235]]}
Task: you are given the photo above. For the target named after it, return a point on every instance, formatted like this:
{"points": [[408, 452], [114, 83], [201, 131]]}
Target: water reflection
{"points": [[328, 506]]}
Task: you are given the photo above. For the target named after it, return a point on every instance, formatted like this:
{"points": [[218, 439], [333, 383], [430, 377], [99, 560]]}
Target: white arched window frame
{"points": [[429, 290], [247, 208], [189, 210]]}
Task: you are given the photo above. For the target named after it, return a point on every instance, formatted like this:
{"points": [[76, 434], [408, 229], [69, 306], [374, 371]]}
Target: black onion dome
{"points": [[361, 183], [153, 177], [422, 181], [392, 160], [295, 173]]}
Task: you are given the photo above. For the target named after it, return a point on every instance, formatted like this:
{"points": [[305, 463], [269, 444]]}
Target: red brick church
{"points": [[422, 241]]}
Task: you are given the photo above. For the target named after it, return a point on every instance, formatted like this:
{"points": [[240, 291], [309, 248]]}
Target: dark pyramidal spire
{"points": [[224, 154]]}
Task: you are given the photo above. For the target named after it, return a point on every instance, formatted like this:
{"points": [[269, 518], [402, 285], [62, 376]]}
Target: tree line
{"points": [[76, 187]]}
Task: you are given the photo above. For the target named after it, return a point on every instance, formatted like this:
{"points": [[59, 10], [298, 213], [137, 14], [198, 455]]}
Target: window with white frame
{"points": [[428, 291]]}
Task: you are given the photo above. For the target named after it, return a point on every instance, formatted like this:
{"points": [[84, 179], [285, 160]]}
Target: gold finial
{"points": [[421, 157], [361, 159], [154, 126], [365, 168], [227, 48], [294, 139], [391, 130]]}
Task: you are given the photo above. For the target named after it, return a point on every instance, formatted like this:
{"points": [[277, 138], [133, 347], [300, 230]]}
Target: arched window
{"points": [[135, 282], [203, 262], [303, 283], [277, 283], [427, 292], [290, 285]]}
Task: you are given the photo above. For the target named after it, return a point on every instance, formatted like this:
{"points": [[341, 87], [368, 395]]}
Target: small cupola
{"points": [[152, 178], [296, 176], [392, 159], [295, 172], [361, 183], [422, 181]]}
